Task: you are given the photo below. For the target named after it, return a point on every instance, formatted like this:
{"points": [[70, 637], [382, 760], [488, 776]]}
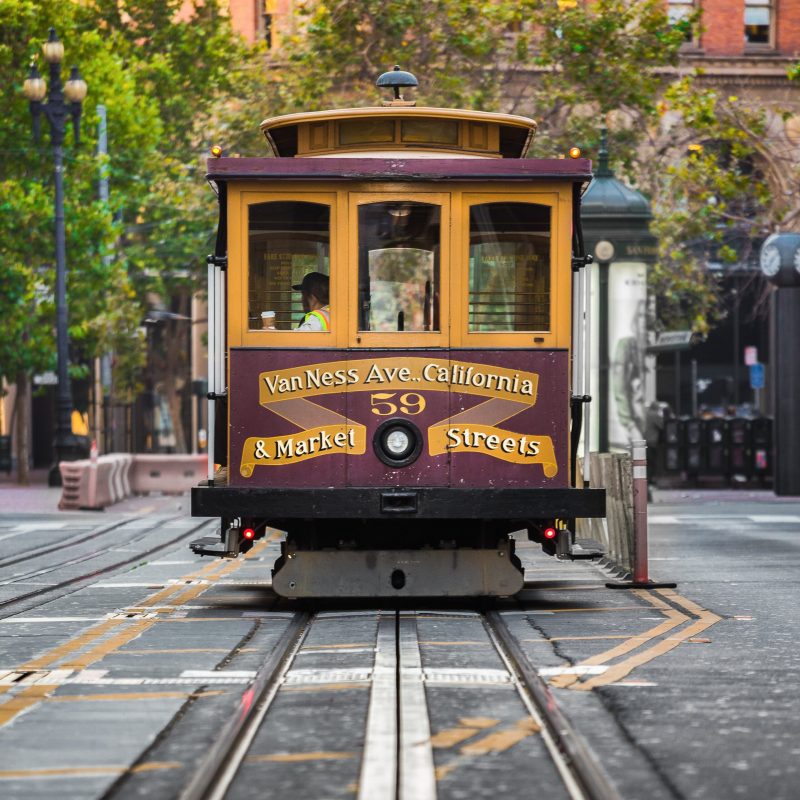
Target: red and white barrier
{"points": [[99, 482]]}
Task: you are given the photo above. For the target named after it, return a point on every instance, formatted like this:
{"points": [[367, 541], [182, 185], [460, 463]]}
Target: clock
{"points": [[770, 260], [604, 250]]}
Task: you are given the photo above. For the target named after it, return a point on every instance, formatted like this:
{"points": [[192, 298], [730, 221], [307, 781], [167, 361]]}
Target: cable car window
{"points": [[509, 267], [287, 241], [398, 266]]}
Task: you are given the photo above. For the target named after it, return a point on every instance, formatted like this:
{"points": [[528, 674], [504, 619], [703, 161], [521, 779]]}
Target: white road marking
{"points": [[776, 518], [585, 669], [219, 673], [18, 620], [657, 519]]}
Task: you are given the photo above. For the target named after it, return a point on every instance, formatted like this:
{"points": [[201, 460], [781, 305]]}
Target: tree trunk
{"points": [[22, 403]]}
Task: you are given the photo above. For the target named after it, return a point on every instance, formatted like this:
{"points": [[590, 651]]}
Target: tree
{"points": [[152, 237]]}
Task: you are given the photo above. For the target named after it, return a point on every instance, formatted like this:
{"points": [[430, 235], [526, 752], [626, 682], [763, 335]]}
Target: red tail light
{"points": [[249, 533], [549, 533]]}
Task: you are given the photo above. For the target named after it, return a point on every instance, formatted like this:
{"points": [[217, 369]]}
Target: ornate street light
{"points": [[62, 101]]}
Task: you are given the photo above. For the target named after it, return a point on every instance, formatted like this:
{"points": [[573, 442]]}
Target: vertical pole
{"points": [[639, 452], [736, 346], [603, 358], [586, 383], [104, 363], [694, 387], [64, 444], [677, 383], [212, 370]]}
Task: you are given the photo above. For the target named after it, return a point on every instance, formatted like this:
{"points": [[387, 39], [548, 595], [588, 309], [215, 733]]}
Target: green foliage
{"points": [[715, 189], [159, 73]]}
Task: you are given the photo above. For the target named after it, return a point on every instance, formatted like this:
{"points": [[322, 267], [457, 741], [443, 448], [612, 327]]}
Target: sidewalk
{"points": [[39, 498]]}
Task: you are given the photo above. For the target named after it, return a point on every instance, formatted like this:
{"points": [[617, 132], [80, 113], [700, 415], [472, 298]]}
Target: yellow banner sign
{"points": [[279, 450], [516, 448], [419, 374]]}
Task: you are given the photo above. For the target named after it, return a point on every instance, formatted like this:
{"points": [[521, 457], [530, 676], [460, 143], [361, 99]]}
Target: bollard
{"points": [[639, 464], [641, 579]]}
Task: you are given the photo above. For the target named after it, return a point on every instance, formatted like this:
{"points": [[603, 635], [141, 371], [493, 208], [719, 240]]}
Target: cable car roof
{"points": [[396, 129]]}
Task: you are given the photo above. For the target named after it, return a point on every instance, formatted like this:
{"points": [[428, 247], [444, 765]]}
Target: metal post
{"points": [[694, 387], [639, 454], [603, 357], [587, 367], [212, 370], [641, 578], [62, 101]]}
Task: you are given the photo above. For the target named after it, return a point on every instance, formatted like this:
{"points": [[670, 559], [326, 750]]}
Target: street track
{"points": [[47, 593], [397, 760]]}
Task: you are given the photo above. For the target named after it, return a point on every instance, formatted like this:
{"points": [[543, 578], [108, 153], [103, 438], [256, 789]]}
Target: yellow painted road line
{"points": [[288, 758], [131, 631], [23, 701], [328, 687], [500, 741], [146, 652], [77, 643], [614, 673], [456, 643], [452, 736], [125, 696], [85, 772], [575, 638], [675, 618]]}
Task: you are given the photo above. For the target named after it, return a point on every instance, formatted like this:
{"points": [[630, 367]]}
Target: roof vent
{"points": [[397, 79]]}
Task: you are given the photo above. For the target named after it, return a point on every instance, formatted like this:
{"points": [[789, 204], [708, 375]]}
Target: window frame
{"points": [[771, 7], [239, 332], [560, 279], [400, 339]]}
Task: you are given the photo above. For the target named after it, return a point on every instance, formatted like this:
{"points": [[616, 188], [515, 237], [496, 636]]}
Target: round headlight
{"points": [[397, 442]]}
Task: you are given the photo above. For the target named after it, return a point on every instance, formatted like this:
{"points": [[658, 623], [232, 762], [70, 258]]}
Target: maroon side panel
{"points": [[308, 418], [250, 419], [546, 419]]}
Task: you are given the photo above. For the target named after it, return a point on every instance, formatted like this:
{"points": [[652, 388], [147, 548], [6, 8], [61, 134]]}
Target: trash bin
{"points": [[740, 460], [693, 436], [715, 446], [5, 454], [761, 428], [673, 446]]}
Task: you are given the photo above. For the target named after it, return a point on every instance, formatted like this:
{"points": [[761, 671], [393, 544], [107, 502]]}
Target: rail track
{"points": [[397, 759], [98, 560]]}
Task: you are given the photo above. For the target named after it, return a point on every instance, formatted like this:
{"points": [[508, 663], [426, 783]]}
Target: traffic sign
{"points": [[750, 356], [756, 376], [671, 340]]}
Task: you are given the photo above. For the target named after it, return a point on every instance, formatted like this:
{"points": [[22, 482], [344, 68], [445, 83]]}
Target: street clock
{"points": [[780, 259]]}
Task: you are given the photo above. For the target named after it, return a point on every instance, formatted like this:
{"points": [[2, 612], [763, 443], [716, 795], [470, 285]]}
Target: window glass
{"points": [[756, 21], [398, 266], [287, 241], [509, 267]]}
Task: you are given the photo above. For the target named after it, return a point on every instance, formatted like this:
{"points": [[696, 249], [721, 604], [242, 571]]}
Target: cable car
{"points": [[397, 354]]}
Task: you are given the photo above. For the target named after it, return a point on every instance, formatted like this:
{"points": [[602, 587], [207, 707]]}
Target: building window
{"points": [[679, 13], [757, 21]]}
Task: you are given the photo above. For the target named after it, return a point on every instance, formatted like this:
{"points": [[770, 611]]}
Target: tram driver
{"points": [[316, 303]]}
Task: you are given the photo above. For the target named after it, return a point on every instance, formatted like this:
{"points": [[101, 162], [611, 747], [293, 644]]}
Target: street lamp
{"points": [[62, 101]]}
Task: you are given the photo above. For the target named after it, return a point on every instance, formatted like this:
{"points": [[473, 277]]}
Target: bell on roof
{"points": [[397, 79]]}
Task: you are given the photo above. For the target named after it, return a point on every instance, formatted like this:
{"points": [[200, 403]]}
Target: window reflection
{"points": [[398, 266], [509, 267], [287, 240]]}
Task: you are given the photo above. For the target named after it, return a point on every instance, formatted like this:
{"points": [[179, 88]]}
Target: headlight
{"points": [[397, 442]]}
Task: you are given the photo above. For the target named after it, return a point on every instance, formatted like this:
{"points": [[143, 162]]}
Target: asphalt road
{"points": [[117, 683]]}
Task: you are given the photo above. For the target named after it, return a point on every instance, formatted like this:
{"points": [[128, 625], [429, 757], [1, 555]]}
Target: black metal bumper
{"points": [[388, 503]]}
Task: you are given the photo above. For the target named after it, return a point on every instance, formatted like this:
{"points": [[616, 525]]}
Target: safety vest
{"points": [[323, 315]]}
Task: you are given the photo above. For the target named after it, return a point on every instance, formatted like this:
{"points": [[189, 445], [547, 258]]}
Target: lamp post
{"points": [[62, 101]]}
